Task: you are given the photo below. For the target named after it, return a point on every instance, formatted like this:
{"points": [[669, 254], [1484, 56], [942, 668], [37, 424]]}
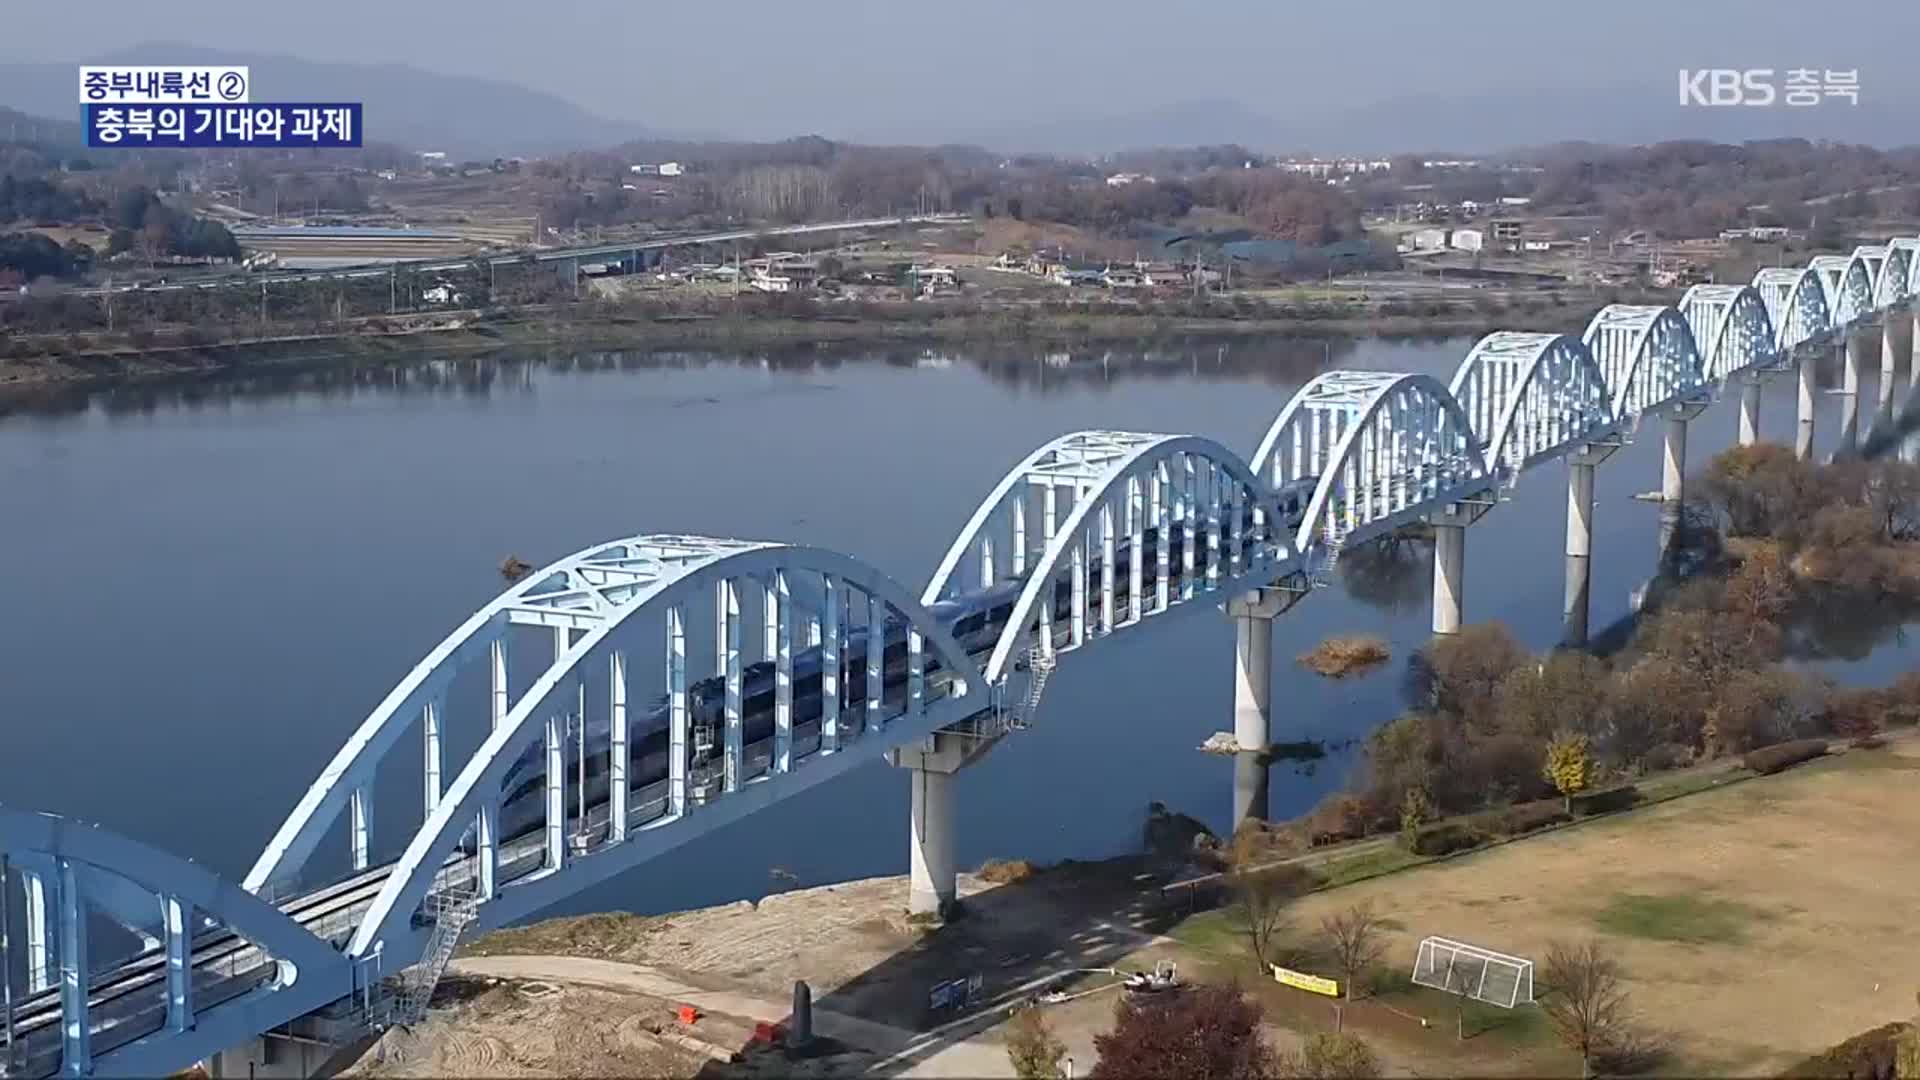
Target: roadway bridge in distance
{"points": [[573, 255], [786, 666]]}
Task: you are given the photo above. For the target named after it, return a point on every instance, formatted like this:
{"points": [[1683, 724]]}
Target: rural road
{"points": [[922, 1055]]}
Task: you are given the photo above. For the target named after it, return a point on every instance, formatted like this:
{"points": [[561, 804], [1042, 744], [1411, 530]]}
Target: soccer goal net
{"points": [[1480, 974]]}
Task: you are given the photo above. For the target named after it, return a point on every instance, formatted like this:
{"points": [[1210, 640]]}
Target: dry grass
{"points": [[1758, 923], [1343, 655], [1007, 871]]}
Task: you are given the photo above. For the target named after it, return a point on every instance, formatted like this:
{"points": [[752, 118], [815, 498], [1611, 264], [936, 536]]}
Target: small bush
{"points": [[1771, 759], [1867, 1056], [1445, 839], [1664, 756], [1609, 801], [1006, 871], [1342, 817], [1526, 817], [1338, 657]]}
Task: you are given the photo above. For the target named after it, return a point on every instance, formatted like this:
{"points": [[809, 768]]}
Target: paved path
{"points": [[904, 1052]]}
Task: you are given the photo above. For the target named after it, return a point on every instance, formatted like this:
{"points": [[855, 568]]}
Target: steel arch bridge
{"points": [[1796, 304], [1089, 536]]}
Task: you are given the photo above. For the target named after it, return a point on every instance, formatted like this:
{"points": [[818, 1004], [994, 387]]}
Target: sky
{"points": [[884, 69]]}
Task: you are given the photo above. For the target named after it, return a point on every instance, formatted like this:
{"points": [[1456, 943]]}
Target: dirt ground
{"points": [[1757, 924], [597, 995], [854, 946]]}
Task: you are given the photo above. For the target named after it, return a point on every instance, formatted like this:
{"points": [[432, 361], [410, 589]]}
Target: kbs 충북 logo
{"points": [[1801, 87]]}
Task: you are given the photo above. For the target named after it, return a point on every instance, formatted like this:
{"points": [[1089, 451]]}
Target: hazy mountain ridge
{"points": [[1478, 125], [471, 117]]}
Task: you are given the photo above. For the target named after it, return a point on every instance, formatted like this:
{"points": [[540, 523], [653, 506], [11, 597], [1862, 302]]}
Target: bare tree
{"points": [[1587, 1005], [1357, 941], [1328, 1057], [1260, 911]]}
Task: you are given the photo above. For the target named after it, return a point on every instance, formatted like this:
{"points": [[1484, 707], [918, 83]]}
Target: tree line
{"points": [[1783, 543]]}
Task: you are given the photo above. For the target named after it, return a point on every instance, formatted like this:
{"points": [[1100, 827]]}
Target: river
{"points": [[209, 585]]}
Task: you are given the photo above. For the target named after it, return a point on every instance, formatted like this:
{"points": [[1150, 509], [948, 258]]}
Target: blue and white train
{"points": [[975, 620]]}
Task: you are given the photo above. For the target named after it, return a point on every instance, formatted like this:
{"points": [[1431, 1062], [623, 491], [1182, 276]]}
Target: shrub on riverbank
{"points": [[1869, 1055], [1700, 678], [1007, 871], [1343, 655], [1852, 526], [1771, 759]]}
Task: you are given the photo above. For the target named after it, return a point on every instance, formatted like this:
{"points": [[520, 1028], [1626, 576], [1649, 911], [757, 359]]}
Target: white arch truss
{"points": [[575, 593], [1530, 396], [1847, 282], [282, 971], [1874, 257], [1380, 446], [1184, 514], [942, 688], [1895, 282], [1647, 355], [1796, 301], [1731, 327]]}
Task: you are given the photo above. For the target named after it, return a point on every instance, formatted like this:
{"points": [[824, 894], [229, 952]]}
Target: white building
{"points": [[1468, 239], [1429, 239]]}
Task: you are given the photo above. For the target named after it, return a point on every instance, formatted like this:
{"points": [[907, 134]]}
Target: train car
{"points": [[975, 620]]}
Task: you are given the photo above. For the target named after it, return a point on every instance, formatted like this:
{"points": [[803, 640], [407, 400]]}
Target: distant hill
{"points": [[466, 117], [1478, 124], [26, 128]]}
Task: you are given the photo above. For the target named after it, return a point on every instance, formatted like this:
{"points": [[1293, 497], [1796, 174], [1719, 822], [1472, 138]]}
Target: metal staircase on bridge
{"points": [[1040, 665], [452, 910], [1322, 574]]}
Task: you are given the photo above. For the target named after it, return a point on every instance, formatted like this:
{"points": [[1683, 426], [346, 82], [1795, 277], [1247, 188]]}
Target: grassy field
{"points": [[1758, 923]]}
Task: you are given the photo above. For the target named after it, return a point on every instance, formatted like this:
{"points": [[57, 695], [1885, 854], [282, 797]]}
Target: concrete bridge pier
{"points": [[930, 843], [1850, 362], [1253, 614], [1749, 410], [1883, 413], [1673, 461], [1574, 611], [1673, 468], [1803, 435], [1913, 353], [1449, 576], [279, 1055], [931, 889]]}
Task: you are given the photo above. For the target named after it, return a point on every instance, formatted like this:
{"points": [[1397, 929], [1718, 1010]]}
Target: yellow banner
{"points": [[1303, 981]]}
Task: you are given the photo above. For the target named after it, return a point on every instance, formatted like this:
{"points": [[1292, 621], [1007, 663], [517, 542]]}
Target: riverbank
{"points": [[1682, 892], [66, 361]]}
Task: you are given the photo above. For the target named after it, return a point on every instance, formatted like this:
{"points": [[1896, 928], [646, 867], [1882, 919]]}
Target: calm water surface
{"points": [[209, 587]]}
